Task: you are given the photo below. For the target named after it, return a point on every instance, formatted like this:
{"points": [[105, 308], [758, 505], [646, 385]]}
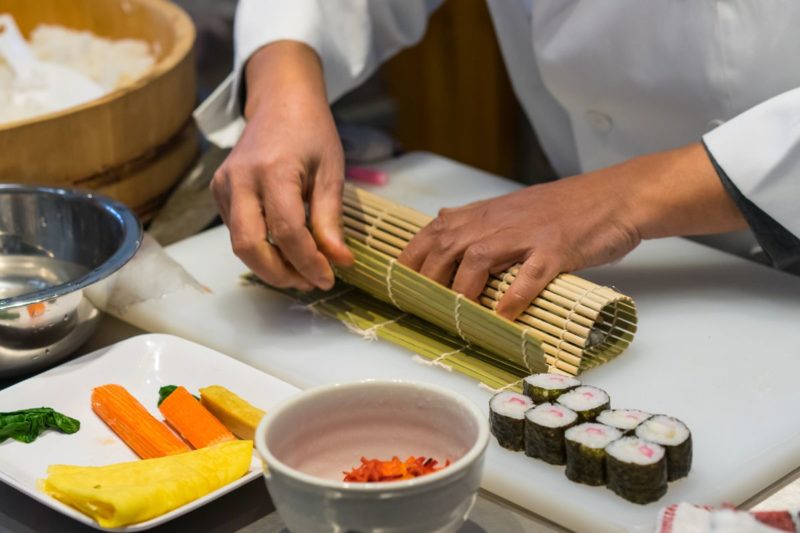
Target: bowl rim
{"points": [[131, 240], [456, 467]]}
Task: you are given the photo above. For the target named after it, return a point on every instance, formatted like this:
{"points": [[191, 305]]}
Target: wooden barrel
{"points": [[133, 143]]}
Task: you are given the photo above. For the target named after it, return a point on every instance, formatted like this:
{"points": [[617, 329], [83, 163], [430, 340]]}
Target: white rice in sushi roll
{"points": [[592, 435], [507, 418], [624, 419], [546, 387], [545, 425], [586, 456], [587, 401]]}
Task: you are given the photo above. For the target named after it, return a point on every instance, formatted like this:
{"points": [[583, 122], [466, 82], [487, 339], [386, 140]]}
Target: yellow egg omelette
{"points": [[127, 493]]}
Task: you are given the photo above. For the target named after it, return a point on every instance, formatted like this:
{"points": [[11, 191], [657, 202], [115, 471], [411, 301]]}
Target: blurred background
{"points": [[450, 94]]}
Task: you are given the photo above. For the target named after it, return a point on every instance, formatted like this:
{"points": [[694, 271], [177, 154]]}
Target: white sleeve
{"points": [[759, 150], [351, 37]]}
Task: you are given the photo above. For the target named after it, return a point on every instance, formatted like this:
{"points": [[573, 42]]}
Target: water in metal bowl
{"points": [[53, 244]]}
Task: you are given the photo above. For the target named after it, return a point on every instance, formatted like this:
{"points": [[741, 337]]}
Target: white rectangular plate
{"points": [[142, 365]]}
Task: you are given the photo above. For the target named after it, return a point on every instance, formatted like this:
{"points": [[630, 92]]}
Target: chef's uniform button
{"points": [[714, 123], [600, 122]]}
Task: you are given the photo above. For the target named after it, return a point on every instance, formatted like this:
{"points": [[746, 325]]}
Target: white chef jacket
{"points": [[601, 81]]}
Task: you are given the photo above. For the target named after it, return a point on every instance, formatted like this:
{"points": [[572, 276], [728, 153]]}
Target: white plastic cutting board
{"points": [[717, 347]]}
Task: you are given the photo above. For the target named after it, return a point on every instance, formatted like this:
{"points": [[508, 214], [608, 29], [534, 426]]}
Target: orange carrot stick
{"points": [[193, 421], [140, 430]]}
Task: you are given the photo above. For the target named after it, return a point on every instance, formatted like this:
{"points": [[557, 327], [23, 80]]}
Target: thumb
{"points": [[326, 214]]}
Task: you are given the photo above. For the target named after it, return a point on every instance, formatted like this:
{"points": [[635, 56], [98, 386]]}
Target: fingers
{"points": [[249, 240], [286, 220], [438, 237], [532, 278], [479, 261], [414, 254], [443, 254], [326, 214], [221, 194]]}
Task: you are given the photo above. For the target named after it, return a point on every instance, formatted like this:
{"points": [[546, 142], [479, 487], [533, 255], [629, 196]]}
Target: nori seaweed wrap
{"points": [[545, 425], [586, 455], [546, 387], [587, 401], [676, 439], [636, 470], [507, 419]]}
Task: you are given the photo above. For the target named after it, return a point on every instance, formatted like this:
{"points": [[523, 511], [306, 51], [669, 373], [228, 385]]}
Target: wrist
{"points": [[679, 192], [283, 71]]}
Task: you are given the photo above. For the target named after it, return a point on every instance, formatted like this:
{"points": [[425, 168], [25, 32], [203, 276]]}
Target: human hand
{"points": [[573, 223], [289, 155]]}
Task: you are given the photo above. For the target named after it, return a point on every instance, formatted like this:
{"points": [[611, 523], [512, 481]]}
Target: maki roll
{"points": [[507, 418], [547, 387], [636, 469], [586, 455], [587, 401], [625, 420], [676, 439], [545, 425]]}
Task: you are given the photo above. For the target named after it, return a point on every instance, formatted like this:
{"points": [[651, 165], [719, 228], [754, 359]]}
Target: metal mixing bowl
{"points": [[53, 244]]}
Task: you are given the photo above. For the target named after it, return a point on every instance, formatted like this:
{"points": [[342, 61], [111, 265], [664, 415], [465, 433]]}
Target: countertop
{"points": [[250, 509]]}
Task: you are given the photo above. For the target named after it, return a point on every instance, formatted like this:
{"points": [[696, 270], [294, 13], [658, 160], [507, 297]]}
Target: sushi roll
{"points": [[636, 469], [676, 439], [507, 418], [586, 454], [545, 425], [625, 420], [547, 387], [587, 401]]}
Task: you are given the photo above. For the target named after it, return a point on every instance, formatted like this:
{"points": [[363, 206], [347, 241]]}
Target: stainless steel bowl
{"points": [[53, 244]]}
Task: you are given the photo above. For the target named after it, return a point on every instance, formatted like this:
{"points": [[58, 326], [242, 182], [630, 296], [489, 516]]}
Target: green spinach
{"points": [[26, 425]]}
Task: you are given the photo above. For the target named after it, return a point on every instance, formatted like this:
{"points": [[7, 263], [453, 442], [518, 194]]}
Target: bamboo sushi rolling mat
{"points": [[573, 325]]}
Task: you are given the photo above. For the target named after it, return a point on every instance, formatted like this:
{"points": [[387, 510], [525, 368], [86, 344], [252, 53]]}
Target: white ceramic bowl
{"points": [[308, 442]]}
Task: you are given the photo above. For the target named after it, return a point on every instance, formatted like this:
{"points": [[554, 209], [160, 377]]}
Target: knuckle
{"points": [[445, 241], [534, 271], [445, 212], [219, 178], [236, 167], [477, 254], [283, 230], [242, 246], [410, 254], [246, 166], [515, 297], [439, 225]]}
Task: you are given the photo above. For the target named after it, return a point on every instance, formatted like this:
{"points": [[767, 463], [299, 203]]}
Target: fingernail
{"points": [[325, 281]]}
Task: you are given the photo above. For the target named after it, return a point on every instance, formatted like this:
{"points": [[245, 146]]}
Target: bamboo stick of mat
{"points": [[578, 324]]}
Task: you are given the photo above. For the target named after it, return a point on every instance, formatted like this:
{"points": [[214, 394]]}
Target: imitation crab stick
{"points": [[193, 421], [140, 430]]}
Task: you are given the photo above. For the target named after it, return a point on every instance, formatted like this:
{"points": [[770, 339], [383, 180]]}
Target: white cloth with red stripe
{"points": [[689, 518]]}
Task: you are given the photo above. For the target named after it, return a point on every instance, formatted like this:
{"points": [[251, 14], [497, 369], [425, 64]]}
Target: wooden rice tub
{"points": [[132, 144]]}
